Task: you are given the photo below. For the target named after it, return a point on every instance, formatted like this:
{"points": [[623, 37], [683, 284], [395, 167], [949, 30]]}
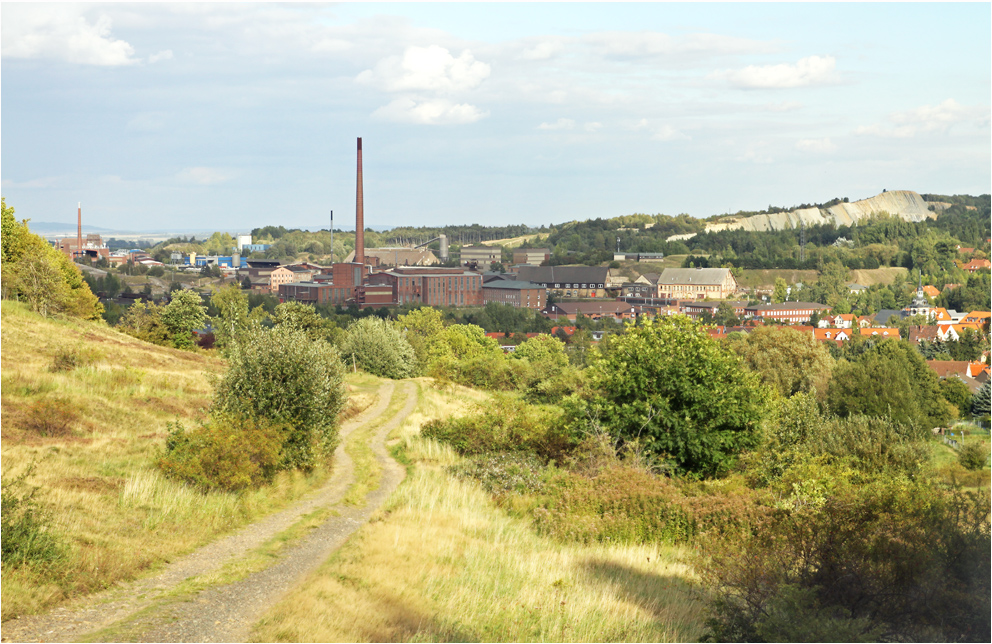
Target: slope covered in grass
{"points": [[89, 407]]}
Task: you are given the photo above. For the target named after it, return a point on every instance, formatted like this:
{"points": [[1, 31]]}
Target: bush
{"points": [[619, 505], [505, 424], [378, 348], [28, 536], [229, 452], [892, 560], [973, 455], [505, 473], [51, 418], [280, 376]]}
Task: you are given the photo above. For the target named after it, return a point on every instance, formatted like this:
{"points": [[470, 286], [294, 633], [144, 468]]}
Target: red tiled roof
{"points": [[881, 332]]}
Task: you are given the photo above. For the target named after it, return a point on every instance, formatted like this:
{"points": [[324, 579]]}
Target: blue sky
{"points": [[232, 116]]}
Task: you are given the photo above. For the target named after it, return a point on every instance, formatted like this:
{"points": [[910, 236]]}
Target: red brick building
{"points": [[525, 295], [432, 286]]}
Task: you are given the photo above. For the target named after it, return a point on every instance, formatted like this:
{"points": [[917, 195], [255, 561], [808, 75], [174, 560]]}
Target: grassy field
{"points": [[869, 277], [765, 278], [93, 433], [442, 563]]}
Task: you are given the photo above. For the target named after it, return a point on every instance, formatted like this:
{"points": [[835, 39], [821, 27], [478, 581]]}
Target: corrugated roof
{"points": [[564, 274], [693, 276], [513, 285]]}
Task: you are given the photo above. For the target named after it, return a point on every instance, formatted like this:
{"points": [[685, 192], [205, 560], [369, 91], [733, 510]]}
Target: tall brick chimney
{"points": [[79, 230], [359, 212]]}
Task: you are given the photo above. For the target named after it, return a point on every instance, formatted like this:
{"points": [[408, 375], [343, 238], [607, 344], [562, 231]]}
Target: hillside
{"points": [[90, 407], [906, 204]]}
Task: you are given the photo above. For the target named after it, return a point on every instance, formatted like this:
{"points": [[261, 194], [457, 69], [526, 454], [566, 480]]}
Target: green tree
{"points": [[423, 328], [183, 315], [780, 292], [980, 401], [303, 317], [378, 348], [957, 393], [143, 320], [787, 360], [688, 398], [233, 316], [281, 377]]}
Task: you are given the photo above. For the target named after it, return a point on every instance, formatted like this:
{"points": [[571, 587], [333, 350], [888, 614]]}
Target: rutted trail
{"points": [[226, 613]]}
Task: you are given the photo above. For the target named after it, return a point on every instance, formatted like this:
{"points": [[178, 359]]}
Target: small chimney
{"points": [[79, 229], [359, 212]]}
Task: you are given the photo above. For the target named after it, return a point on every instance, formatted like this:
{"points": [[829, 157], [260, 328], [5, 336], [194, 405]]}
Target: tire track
{"points": [[72, 622]]}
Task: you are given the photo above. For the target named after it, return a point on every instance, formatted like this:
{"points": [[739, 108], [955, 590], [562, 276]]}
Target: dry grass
{"points": [[869, 277], [765, 278], [441, 563], [119, 515], [513, 242]]}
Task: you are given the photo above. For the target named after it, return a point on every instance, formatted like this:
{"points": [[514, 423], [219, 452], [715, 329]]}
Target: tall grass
{"points": [[118, 515], [442, 563]]}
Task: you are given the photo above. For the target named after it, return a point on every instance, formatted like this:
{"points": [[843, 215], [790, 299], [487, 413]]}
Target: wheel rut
{"points": [[155, 610]]}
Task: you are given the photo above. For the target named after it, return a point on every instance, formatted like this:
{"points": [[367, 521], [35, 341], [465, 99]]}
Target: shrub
{"points": [[52, 418], [280, 376], [505, 472], [618, 505], [228, 452], [28, 536], [67, 359], [378, 348], [505, 423], [891, 560], [973, 455]]}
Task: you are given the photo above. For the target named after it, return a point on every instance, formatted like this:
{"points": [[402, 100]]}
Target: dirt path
{"points": [[142, 609]]}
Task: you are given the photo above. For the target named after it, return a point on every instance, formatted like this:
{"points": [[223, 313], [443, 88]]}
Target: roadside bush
{"points": [[973, 455], [505, 424], [619, 505], [50, 417], [228, 452], [891, 560], [28, 535], [505, 473], [378, 348], [281, 377], [67, 359]]}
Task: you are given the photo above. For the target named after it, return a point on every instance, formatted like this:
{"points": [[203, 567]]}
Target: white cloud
{"points": [[162, 55], [592, 127], [542, 51], [40, 182], [429, 112], [636, 44], [668, 133], [204, 176], [61, 32], [816, 145], [812, 70], [431, 69], [785, 106], [560, 124], [927, 119], [146, 122]]}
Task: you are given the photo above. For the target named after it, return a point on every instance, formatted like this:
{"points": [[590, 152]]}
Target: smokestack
{"points": [[79, 228], [359, 212]]}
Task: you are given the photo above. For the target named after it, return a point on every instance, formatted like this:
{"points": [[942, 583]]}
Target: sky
{"points": [[167, 116]]}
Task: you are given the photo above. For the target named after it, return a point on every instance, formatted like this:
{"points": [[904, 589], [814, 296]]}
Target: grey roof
{"points": [[784, 306], [693, 276], [514, 285], [564, 274], [884, 315]]}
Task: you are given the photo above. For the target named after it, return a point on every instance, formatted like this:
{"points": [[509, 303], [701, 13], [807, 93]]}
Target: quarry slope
{"points": [[905, 204]]}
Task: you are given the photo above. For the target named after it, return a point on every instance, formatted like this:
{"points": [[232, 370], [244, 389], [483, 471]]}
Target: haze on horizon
{"points": [[233, 116]]}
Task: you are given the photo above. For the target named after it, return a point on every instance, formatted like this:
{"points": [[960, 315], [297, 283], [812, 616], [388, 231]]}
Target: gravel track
{"points": [[226, 613]]}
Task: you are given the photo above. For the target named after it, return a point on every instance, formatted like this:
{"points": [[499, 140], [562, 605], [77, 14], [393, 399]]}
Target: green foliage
{"points": [[423, 328], [43, 276], [787, 360], [228, 452], [233, 317], [184, 314], [143, 320], [504, 473], [890, 560], [303, 317], [957, 393], [28, 534], [973, 455], [549, 376], [780, 292], [505, 424], [378, 348], [889, 379], [280, 377], [685, 396], [980, 401]]}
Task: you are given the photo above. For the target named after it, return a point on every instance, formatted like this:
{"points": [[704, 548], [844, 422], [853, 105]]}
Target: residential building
{"points": [[525, 295], [880, 332], [832, 334], [696, 309], [977, 265], [697, 283]]}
